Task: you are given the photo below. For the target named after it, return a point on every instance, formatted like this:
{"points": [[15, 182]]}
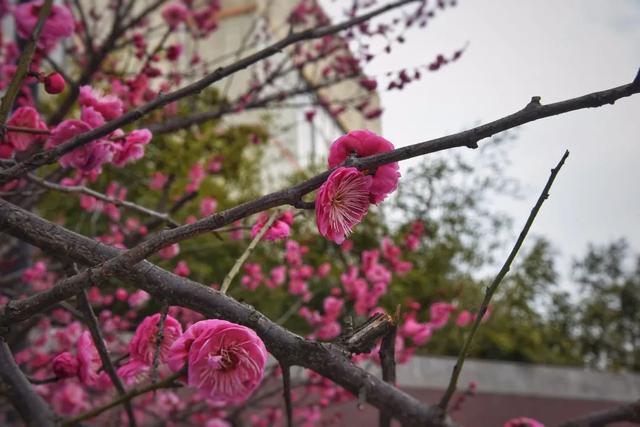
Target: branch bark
{"points": [[32, 408]]}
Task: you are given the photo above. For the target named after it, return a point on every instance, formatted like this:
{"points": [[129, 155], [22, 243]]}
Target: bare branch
{"points": [[98, 341], [32, 408], [125, 398], [81, 189], [236, 267], [629, 413], [453, 383]]}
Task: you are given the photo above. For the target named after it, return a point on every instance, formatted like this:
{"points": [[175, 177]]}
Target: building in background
{"points": [[297, 140]]}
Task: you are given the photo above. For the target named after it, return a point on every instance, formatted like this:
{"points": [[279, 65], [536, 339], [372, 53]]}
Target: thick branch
{"points": [[453, 383], [328, 360], [50, 156], [629, 413], [32, 408]]}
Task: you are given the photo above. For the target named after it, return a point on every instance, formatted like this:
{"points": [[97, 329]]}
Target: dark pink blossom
{"points": [[143, 344], [342, 202], [64, 365], [54, 83], [175, 13], [26, 117], [464, 318], [225, 361], [59, 24], [279, 230], [87, 157], [363, 143], [109, 106], [131, 148]]}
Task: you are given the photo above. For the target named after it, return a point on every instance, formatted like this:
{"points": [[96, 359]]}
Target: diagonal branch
{"points": [[629, 413], [293, 195], [453, 383], [236, 267], [23, 66], [326, 359], [50, 156], [98, 340], [15, 386]]}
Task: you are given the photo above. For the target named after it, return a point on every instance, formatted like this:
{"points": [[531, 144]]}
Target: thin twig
{"points": [[629, 413], [98, 341], [24, 63], [286, 392], [125, 398], [236, 267], [81, 189], [159, 339], [444, 402]]}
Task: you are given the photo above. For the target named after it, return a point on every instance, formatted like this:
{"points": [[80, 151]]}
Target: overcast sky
{"points": [[556, 50]]}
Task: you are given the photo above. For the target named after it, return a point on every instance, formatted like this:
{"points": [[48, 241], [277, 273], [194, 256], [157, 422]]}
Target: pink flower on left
{"points": [[225, 361], [58, 25], [26, 117]]}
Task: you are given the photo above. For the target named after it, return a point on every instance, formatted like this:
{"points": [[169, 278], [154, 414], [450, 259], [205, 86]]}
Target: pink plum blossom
{"points": [[170, 251], [342, 202], [134, 372], [208, 206], [54, 83], [364, 143], [70, 398], [64, 365], [87, 157], [27, 117], [175, 13], [59, 23], [108, 106], [279, 230], [439, 312], [225, 361], [89, 362], [464, 318], [143, 344], [158, 181], [131, 148], [182, 269]]}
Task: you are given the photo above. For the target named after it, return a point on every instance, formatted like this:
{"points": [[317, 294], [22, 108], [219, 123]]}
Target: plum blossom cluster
{"points": [[344, 199], [117, 148]]}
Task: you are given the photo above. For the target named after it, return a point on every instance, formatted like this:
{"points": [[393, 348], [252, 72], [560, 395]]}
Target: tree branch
{"points": [[98, 341], [50, 156], [23, 66], [629, 413], [32, 408], [453, 383]]}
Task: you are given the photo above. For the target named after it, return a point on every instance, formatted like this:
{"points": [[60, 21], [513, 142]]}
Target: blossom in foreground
{"points": [[59, 24], [279, 230], [523, 422], [89, 363], [87, 157], [26, 117], [143, 344], [64, 365], [342, 202], [224, 361], [363, 143]]}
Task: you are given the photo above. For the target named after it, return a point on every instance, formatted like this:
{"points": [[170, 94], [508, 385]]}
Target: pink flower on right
{"points": [[344, 199], [363, 143]]}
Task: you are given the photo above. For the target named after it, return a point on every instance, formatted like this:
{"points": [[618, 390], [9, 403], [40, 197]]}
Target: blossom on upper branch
{"points": [[59, 24], [363, 143], [26, 117], [224, 361], [279, 230]]}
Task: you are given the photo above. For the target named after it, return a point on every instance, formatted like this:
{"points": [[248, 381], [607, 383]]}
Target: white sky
{"points": [[554, 49]]}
